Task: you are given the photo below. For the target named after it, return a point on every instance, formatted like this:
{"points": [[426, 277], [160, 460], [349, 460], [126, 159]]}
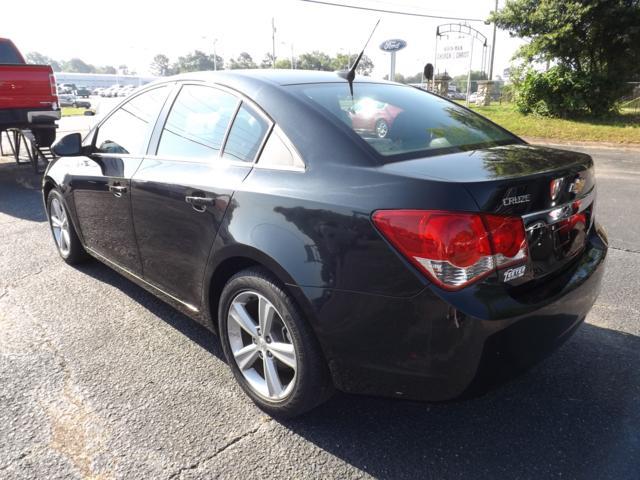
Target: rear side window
{"points": [[128, 129], [197, 123], [9, 53], [246, 135], [402, 122]]}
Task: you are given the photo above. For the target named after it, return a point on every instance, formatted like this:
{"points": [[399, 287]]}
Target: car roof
{"points": [[274, 76]]}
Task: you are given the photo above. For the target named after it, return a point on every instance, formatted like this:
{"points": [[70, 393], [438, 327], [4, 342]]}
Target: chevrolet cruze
{"points": [[427, 263]]}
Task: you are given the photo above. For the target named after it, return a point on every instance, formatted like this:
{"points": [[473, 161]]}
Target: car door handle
{"points": [[117, 190], [199, 204]]}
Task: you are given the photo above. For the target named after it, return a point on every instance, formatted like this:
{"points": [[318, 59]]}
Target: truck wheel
{"points": [[44, 136]]}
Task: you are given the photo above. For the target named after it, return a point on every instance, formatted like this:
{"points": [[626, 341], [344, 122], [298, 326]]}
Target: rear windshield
{"points": [[9, 53], [401, 121]]}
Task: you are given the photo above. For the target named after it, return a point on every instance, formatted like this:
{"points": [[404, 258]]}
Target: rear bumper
{"points": [[28, 118], [438, 346]]}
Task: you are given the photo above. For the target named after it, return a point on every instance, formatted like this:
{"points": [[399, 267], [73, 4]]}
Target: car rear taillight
{"points": [[52, 83], [454, 249]]}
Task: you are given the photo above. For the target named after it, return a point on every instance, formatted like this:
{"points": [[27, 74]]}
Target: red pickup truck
{"points": [[28, 96]]}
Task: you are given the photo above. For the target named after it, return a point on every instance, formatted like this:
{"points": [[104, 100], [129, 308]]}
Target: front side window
{"points": [[246, 135], [128, 129], [400, 122], [197, 123]]}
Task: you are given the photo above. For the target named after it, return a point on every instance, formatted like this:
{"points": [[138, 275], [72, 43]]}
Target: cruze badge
{"points": [[508, 201]]}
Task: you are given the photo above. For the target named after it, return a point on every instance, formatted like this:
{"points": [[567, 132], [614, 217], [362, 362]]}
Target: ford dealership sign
{"points": [[393, 45]]}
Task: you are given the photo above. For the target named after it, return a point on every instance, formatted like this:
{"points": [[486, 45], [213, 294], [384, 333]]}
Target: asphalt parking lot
{"points": [[99, 379]]}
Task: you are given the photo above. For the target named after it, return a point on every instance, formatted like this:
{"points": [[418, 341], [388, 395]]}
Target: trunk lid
{"points": [[552, 190]]}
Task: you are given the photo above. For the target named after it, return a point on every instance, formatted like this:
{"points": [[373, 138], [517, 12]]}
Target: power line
{"points": [[394, 12]]}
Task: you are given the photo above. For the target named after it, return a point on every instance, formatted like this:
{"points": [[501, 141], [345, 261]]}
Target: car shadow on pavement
{"points": [[576, 415], [20, 195], [185, 325]]}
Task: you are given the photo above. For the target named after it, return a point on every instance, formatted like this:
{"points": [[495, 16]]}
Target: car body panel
{"points": [[383, 326]]}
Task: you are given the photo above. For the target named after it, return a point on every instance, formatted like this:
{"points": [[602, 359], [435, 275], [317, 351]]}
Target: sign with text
{"points": [[393, 45], [453, 48]]}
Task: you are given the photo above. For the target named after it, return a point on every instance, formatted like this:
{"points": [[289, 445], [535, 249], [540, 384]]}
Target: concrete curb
{"points": [[568, 143]]}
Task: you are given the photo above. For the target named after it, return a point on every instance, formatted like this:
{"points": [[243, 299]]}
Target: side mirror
{"points": [[89, 113], [69, 146]]}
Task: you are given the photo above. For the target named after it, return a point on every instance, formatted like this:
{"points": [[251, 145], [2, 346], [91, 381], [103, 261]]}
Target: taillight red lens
{"points": [[507, 236], [454, 249], [52, 83]]}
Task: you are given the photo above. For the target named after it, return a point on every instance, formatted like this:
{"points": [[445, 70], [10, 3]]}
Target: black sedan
{"points": [[428, 264]]}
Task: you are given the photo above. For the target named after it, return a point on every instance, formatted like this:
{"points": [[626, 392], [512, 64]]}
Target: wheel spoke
{"points": [[240, 315], [283, 352], [58, 208], [55, 221], [271, 376], [266, 311], [66, 240], [245, 357]]}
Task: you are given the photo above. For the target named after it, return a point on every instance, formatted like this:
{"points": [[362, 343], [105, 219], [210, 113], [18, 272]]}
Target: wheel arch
{"points": [[235, 258]]}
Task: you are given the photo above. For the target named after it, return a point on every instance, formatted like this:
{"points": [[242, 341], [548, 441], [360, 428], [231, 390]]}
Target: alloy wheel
{"points": [[261, 345], [60, 226], [382, 128]]}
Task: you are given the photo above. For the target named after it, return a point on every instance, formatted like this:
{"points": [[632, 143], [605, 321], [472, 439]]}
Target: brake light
{"points": [[52, 83], [454, 249]]}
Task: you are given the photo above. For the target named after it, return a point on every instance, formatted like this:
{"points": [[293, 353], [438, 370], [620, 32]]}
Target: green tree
{"points": [[77, 65], [342, 62], [244, 61], [267, 61], [316, 60], [37, 58], [110, 69], [594, 46], [160, 65], [460, 81], [283, 63], [196, 62]]}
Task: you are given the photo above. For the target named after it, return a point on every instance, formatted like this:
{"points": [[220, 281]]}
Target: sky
{"points": [[115, 32]]}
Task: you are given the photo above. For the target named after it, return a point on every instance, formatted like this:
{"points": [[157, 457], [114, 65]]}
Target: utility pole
{"points": [[273, 42], [215, 57], [493, 44]]}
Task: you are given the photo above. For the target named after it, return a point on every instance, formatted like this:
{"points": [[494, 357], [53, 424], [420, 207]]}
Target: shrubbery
{"points": [[560, 92]]}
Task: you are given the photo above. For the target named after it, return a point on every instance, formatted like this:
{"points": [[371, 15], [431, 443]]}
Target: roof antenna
{"points": [[350, 75]]}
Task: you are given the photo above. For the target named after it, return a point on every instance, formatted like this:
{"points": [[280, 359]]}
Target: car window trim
{"points": [[97, 127], [152, 151], [270, 127]]}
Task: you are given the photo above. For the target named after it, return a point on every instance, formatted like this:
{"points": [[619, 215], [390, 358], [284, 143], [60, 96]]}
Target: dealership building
{"points": [[95, 80]]}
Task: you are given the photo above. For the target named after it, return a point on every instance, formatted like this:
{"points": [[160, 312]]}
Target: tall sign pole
{"points": [[493, 44], [273, 42], [392, 67], [392, 46], [469, 73]]}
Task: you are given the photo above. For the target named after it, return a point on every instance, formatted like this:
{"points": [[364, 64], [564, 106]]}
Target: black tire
{"points": [[75, 253], [44, 136], [312, 382]]}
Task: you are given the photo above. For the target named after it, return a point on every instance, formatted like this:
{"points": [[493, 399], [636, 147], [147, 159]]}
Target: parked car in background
{"points": [[28, 95], [372, 117], [70, 100], [428, 263], [455, 95], [82, 92]]}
